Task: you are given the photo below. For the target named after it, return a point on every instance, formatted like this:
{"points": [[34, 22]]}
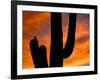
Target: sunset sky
{"points": [[38, 24]]}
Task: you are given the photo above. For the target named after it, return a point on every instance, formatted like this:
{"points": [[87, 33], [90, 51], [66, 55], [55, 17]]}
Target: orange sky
{"points": [[38, 24]]}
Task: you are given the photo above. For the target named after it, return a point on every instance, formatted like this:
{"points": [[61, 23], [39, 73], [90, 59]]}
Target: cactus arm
{"points": [[43, 56], [67, 51], [34, 51]]}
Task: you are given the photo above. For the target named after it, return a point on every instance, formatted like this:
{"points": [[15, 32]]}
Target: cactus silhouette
{"points": [[38, 54], [57, 53]]}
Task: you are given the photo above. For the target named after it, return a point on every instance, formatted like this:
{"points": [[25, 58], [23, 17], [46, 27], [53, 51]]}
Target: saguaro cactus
{"points": [[38, 54], [57, 52]]}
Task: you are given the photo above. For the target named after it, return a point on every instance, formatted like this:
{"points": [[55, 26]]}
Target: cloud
{"points": [[82, 38]]}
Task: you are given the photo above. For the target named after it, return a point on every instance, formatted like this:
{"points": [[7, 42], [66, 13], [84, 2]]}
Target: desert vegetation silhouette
{"points": [[57, 52]]}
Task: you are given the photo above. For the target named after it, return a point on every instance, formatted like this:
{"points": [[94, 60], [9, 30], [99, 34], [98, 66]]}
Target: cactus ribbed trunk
{"points": [[56, 40], [57, 53]]}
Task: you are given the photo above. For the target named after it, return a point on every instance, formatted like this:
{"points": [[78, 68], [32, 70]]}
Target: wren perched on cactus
{"points": [[57, 52]]}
